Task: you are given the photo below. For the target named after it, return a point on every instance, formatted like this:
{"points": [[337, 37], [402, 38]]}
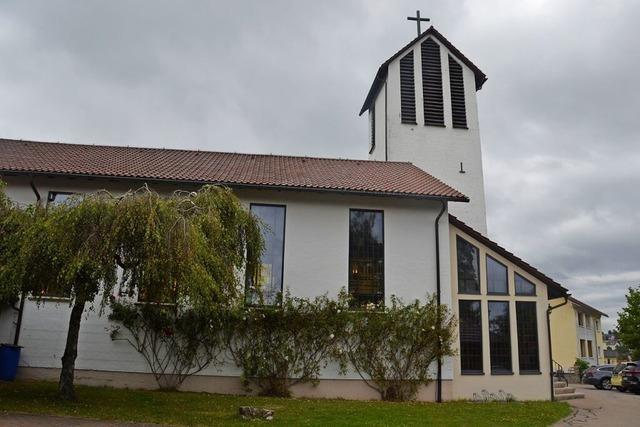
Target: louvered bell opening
{"points": [[407, 90], [432, 83], [458, 106]]}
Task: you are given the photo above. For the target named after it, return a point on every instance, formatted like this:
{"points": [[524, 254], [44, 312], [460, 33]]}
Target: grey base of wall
{"points": [[352, 389], [572, 378]]}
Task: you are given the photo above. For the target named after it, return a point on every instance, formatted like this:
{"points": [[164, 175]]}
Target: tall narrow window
{"points": [[432, 83], [407, 90], [583, 348], [372, 122], [468, 267], [524, 287], [458, 105], [366, 256], [269, 284], [590, 348], [499, 337], [527, 321], [470, 337], [497, 277]]}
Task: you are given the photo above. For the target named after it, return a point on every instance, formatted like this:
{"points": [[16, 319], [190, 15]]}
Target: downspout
{"points": [[438, 299], [386, 149], [549, 310], [23, 296]]}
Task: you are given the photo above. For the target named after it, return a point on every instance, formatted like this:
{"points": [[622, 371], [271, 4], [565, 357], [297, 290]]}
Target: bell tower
{"points": [[422, 109]]}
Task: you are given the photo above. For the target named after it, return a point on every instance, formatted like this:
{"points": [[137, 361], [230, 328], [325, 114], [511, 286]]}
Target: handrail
{"points": [[558, 372]]}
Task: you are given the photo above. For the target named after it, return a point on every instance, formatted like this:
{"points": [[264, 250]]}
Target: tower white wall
{"points": [[437, 150]]}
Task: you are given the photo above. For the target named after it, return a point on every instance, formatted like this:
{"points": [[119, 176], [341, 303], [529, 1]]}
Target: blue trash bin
{"points": [[9, 358]]}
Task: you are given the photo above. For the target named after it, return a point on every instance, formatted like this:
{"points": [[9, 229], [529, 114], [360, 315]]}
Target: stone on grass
{"points": [[252, 413]]}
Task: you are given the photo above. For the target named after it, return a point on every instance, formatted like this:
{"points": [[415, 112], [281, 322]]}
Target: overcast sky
{"points": [[559, 115]]}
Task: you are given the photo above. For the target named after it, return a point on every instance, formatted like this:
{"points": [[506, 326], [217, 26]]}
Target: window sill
{"points": [[51, 298], [460, 127], [410, 123], [476, 373], [501, 372], [530, 373], [435, 126]]}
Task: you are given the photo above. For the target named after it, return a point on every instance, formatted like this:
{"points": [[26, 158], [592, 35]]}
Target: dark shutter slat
{"points": [[458, 105], [432, 83], [407, 90]]}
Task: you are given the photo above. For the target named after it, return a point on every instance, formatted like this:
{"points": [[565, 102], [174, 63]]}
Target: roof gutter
{"points": [[549, 310], [250, 186]]}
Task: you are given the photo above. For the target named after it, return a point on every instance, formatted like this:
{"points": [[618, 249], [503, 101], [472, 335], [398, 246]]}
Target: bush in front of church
{"points": [[279, 346], [393, 348]]}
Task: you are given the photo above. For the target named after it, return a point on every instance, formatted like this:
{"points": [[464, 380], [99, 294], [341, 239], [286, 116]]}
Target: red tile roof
{"points": [[233, 169]]}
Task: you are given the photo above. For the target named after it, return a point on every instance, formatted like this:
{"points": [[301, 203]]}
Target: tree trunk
{"points": [[65, 386]]}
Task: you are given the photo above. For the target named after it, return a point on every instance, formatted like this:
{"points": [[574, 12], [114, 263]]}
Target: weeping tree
{"points": [[13, 222], [188, 248], [184, 257], [68, 249]]}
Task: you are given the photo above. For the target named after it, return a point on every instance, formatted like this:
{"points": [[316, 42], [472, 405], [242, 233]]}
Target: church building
{"points": [[422, 188]]}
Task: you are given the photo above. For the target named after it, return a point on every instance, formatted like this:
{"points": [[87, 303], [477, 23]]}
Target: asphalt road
{"points": [[603, 408]]}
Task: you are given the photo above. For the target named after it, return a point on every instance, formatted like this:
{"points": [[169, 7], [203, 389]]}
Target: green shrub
{"points": [[392, 348], [174, 343], [280, 346]]}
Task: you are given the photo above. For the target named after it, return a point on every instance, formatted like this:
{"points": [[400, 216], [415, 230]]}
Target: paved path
{"points": [[32, 420], [603, 408]]}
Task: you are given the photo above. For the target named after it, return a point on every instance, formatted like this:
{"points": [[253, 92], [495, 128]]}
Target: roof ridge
{"points": [[75, 144]]}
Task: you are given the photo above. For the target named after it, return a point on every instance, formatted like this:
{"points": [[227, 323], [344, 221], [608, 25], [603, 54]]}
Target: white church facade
{"points": [[423, 188]]}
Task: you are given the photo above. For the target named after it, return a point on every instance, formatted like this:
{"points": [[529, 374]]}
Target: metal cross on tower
{"points": [[418, 20]]}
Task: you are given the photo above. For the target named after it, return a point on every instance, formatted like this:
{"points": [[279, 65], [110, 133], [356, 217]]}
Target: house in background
{"points": [[576, 333], [422, 109]]}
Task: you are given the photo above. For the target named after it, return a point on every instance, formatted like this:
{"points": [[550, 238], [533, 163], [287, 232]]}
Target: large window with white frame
{"points": [[497, 277], [366, 255], [468, 267], [268, 287], [470, 323], [499, 337], [527, 324], [523, 286]]}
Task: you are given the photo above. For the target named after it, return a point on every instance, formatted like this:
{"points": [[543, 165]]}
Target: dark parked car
{"points": [[631, 378], [618, 373], [599, 376]]}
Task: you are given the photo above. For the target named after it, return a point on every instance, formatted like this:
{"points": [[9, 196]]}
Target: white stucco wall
{"points": [[315, 262], [437, 150]]}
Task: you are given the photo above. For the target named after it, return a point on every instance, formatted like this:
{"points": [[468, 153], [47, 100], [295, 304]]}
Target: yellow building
{"points": [[576, 333]]}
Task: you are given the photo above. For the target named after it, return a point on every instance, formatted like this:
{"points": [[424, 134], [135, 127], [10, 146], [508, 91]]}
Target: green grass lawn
{"points": [[183, 408]]}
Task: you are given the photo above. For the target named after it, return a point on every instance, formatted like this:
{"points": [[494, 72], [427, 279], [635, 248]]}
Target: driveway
{"points": [[602, 408]]}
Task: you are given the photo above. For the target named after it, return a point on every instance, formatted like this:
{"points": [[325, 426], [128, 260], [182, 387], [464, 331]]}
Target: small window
{"points": [[272, 261], [590, 348], [58, 197], [456, 84], [580, 319], [468, 267], [524, 287], [527, 322], [499, 337], [497, 277], [583, 348], [470, 316], [366, 256]]}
